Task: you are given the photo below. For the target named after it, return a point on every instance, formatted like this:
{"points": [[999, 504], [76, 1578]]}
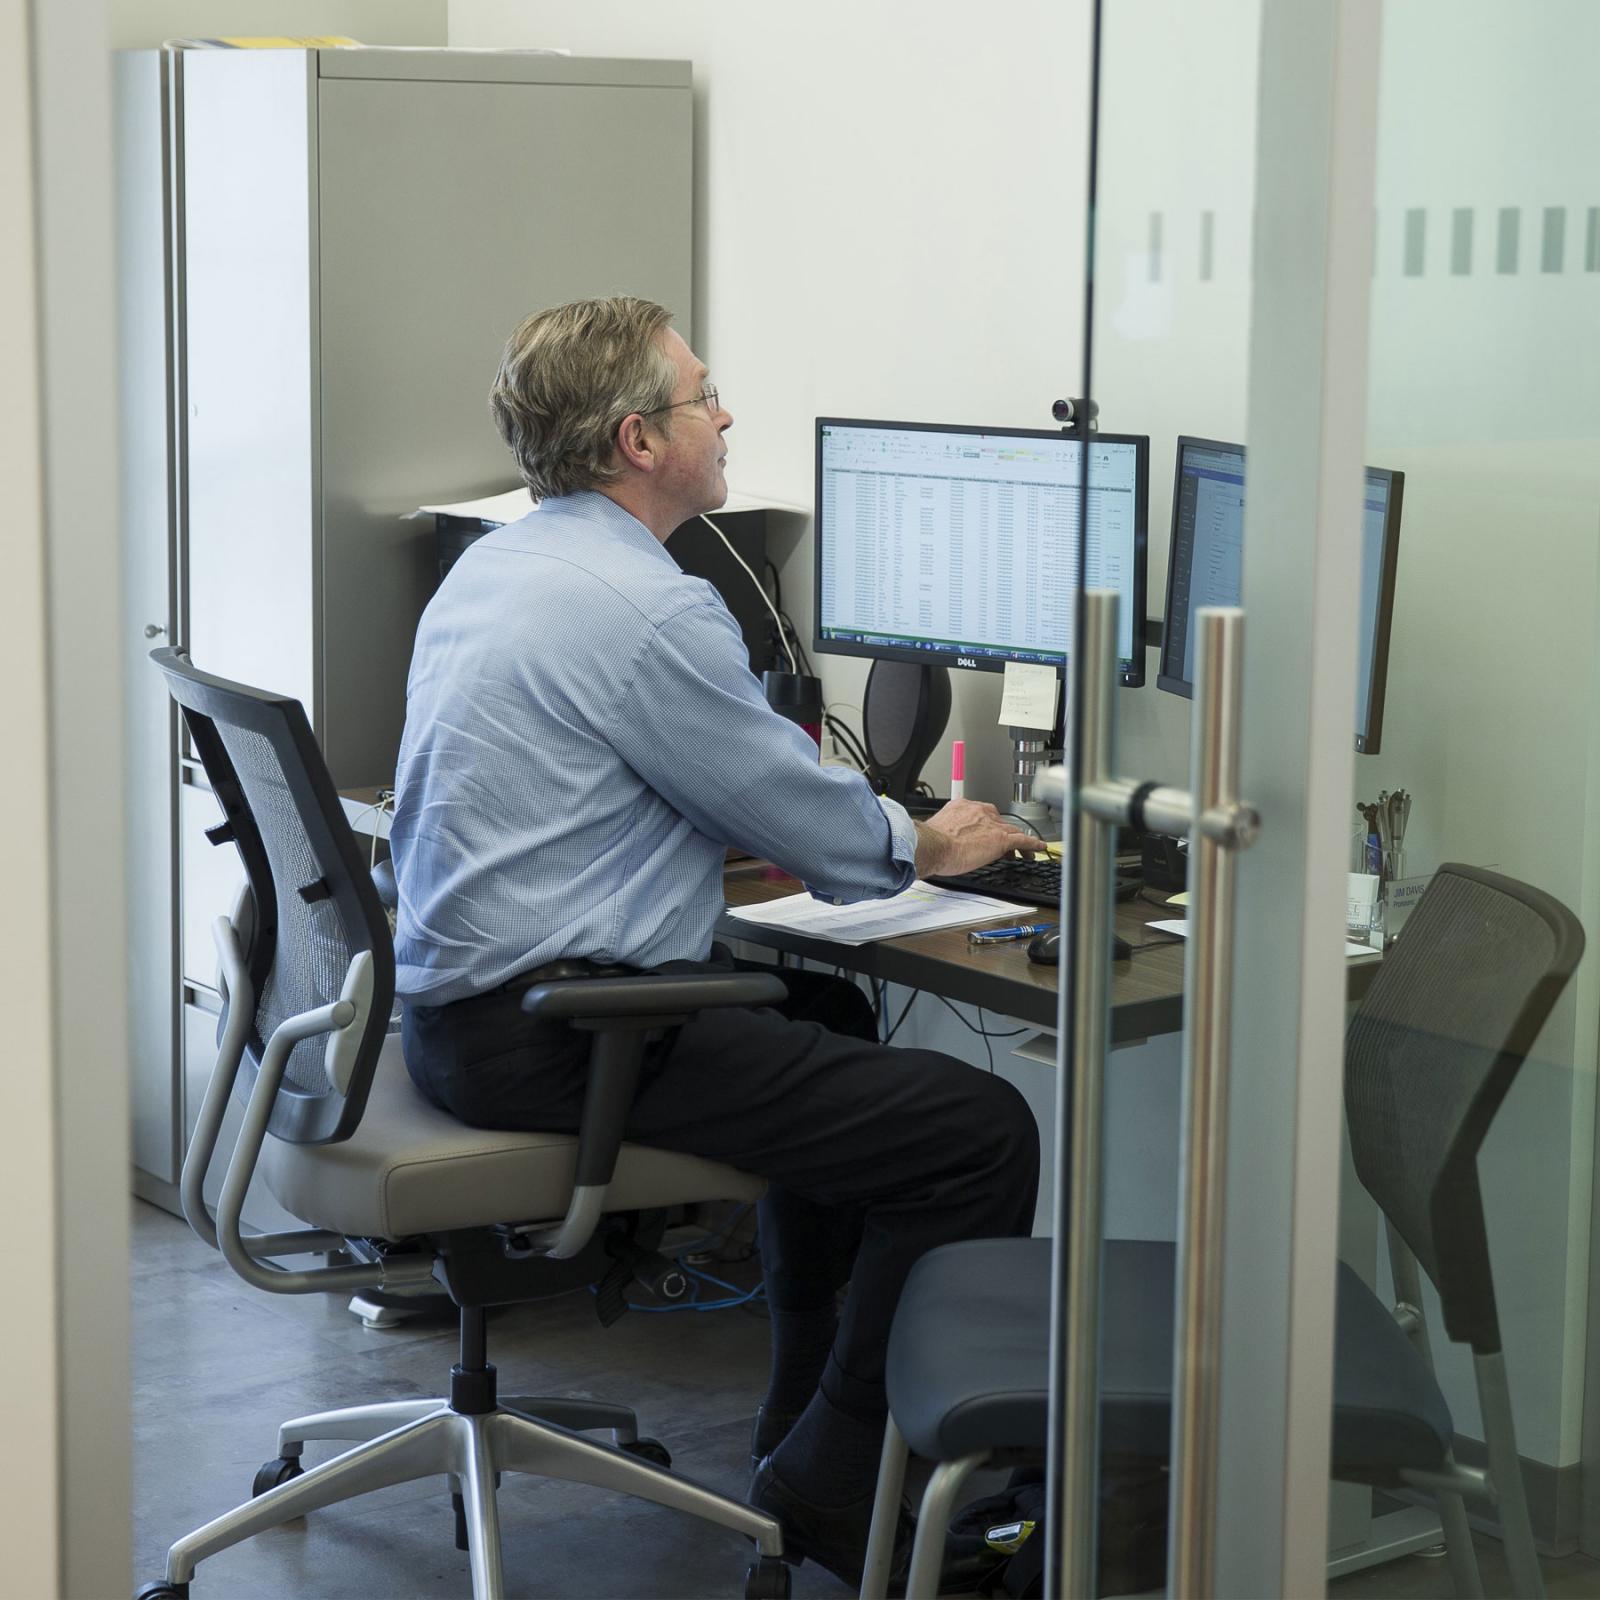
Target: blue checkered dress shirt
{"points": [[583, 738]]}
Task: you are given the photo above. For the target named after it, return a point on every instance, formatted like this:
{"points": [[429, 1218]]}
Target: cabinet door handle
{"points": [[154, 630]]}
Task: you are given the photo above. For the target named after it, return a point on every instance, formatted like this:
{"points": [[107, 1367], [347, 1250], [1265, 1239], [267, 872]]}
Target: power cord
{"points": [[793, 633], [985, 1034], [382, 807], [1025, 823], [842, 733], [777, 616], [734, 1295], [888, 1038]]}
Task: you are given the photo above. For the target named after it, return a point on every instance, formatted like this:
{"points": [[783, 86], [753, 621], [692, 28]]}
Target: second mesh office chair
{"points": [[1429, 1056], [344, 1141]]}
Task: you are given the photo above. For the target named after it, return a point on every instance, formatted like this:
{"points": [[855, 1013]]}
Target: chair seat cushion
{"points": [[968, 1365], [1388, 1411], [968, 1360], [410, 1168]]}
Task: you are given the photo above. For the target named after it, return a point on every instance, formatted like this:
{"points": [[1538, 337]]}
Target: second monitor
{"points": [[958, 546], [1205, 568]]}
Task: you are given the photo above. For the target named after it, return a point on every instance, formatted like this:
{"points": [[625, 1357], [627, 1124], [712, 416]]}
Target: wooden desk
{"points": [[1146, 990]]}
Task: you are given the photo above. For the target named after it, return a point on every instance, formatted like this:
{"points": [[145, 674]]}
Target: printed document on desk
{"points": [[919, 909]]}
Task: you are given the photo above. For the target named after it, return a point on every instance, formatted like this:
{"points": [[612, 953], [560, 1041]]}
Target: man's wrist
{"points": [[933, 850]]}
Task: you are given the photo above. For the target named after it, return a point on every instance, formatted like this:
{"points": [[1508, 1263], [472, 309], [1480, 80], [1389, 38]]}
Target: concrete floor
{"points": [[217, 1365]]}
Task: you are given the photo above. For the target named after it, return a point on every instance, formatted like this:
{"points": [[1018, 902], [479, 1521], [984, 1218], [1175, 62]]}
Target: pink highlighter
{"points": [[958, 770]]}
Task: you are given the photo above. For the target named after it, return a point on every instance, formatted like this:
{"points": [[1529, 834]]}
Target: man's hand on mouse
{"points": [[966, 834]]}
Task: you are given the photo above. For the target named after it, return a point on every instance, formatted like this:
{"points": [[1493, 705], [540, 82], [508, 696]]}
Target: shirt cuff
{"points": [[903, 846], [902, 856]]}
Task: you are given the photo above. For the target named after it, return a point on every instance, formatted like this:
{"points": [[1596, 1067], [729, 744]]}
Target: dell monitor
{"points": [[949, 546], [1206, 562]]}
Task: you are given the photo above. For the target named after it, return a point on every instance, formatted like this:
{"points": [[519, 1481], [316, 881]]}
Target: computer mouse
{"points": [[1044, 949]]}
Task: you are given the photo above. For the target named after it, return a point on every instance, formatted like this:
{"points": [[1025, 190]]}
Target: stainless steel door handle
{"points": [[1207, 999], [1217, 824]]}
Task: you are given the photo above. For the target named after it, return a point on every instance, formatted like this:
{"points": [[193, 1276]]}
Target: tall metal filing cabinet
{"points": [[320, 256]]}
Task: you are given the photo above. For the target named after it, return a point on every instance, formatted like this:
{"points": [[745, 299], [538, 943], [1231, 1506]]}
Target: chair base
{"points": [[402, 1441]]}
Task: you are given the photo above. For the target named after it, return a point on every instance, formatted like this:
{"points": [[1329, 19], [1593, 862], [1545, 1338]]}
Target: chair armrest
{"points": [[621, 1012], [648, 996]]}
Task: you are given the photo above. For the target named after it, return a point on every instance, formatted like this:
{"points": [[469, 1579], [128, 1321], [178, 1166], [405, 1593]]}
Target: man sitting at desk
{"points": [[583, 740]]}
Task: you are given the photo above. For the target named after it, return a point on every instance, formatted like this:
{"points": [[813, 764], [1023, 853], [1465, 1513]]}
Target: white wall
{"points": [[889, 224]]}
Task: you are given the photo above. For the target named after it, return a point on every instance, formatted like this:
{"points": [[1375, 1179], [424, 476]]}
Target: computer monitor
{"points": [[952, 546], [1204, 569]]}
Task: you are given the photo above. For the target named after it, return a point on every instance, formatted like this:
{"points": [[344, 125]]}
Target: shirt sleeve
{"points": [[693, 724]]}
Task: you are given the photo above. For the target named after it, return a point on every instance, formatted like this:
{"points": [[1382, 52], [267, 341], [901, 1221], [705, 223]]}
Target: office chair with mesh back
{"points": [[404, 1194], [1432, 1050], [1429, 1057]]}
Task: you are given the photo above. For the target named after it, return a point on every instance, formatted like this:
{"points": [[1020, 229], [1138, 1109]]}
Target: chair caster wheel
{"points": [[163, 1591], [767, 1578], [649, 1450], [276, 1472], [459, 1506]]}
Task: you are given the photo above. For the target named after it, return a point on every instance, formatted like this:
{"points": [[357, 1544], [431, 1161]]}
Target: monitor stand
{"points": [[1029, 748]]}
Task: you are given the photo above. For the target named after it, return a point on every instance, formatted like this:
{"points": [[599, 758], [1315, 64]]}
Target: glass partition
{"points": [[1484, 391], [1366, 262]]}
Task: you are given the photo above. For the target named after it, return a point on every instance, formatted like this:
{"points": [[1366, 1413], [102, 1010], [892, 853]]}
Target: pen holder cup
{"points": [[1364, 908], [1366, 854]]}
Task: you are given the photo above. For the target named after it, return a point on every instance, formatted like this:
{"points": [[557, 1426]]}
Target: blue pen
{"points": [[1023, 930]]}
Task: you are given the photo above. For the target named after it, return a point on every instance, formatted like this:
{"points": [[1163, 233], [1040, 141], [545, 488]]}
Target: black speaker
{"points": [[903, 715]]}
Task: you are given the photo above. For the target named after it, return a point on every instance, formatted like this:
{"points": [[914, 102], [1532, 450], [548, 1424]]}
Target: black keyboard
{"points": [[1031, 883]]}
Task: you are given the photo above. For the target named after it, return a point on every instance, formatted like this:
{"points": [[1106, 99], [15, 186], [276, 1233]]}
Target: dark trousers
{"points": [[873, 1153]]}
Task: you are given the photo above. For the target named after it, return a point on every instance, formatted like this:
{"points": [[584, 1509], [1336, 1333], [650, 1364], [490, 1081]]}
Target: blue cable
{"points": [[693, 1302]]}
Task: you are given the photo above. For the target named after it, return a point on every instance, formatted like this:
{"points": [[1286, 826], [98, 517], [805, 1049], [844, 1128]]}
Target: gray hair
{"points": [[567, 378]]}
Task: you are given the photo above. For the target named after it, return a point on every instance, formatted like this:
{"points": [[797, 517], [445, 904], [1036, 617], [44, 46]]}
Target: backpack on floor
{"points": [[996, 1544]]}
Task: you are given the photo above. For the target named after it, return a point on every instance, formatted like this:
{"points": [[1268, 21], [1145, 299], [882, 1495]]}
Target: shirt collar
{"points": [[602, 512]]}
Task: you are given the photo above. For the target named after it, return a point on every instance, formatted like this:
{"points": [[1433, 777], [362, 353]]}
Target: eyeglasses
{"points": [[707, 394]]}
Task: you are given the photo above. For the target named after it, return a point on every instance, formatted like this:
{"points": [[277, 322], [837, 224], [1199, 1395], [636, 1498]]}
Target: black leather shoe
{"points": [[771, 1429], [834, 1537]]}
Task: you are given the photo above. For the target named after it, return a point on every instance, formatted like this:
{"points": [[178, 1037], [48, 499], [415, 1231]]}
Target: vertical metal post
{"points": [[1075, 1274], [1208, 963]]}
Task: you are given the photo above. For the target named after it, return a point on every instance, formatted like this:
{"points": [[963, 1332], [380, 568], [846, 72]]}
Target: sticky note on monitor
{"points": [[1029, 697]]}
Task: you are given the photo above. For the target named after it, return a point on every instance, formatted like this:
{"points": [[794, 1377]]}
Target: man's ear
{"points": [[634, 444]]}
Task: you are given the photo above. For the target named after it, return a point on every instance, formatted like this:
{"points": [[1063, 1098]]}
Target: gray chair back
{"points": [[1430, 1054], [315, 907]]}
